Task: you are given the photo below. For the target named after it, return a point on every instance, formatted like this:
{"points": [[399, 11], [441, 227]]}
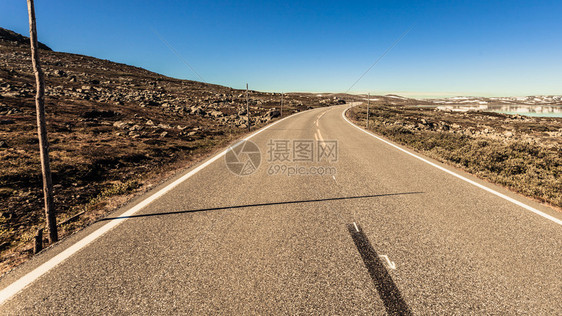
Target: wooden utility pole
{"points": [[248, 108], [42, 126], [281, 104], [368, 103]]}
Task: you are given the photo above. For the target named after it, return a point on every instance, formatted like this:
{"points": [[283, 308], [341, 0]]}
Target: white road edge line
{"points": [[29, 278], [503, 196], [320, 136]]}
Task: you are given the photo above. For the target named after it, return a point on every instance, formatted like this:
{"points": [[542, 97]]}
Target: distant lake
{"points": [[521, 109]]}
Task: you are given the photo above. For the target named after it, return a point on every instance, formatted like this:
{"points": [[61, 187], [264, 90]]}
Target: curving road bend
{"points": [[379, 232]]}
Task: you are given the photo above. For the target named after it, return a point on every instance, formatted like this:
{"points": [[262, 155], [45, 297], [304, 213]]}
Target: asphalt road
{"points": [[387, 233]]}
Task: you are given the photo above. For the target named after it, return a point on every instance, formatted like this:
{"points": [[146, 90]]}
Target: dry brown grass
{"points": [[529, 163]]}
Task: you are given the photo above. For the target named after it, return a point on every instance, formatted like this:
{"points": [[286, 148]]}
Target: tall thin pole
{"points": [[42, 126], [281, 104], [248, 108], [368, 103]]}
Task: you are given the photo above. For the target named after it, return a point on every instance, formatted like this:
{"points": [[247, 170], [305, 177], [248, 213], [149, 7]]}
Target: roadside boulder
{"points": [[60, 73], [216, 114], [274, 114], [197, 111], [120, 124], [164, 126]]}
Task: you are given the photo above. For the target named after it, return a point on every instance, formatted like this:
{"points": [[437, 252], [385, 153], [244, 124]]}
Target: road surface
{"points": [[379, 232]]}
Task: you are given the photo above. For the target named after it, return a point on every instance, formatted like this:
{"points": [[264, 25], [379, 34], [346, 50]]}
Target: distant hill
{"points": [[11, 37]]}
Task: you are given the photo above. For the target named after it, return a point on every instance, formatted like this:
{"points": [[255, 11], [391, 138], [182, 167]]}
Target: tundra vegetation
{"points": [[521, 153]]}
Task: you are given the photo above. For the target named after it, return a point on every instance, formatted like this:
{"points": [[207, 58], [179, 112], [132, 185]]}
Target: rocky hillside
{"points": [[8, 37], [114, 129]]}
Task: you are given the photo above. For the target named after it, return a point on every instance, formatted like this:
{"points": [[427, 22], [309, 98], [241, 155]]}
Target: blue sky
{"points": [[455, 47]]}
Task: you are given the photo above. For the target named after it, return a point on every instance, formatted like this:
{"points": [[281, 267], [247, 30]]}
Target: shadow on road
{"points": [[388, 291], [259, 204]]}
